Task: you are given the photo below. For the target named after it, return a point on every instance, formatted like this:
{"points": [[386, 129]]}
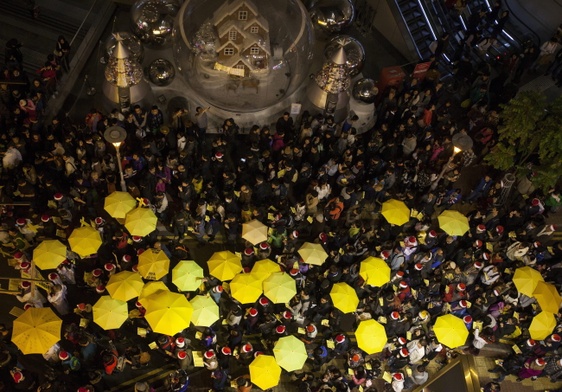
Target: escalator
{"points": [[418, 25]]}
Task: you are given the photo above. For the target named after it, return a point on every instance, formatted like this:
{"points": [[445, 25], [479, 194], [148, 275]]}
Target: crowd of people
{"points": [[308, 179]]}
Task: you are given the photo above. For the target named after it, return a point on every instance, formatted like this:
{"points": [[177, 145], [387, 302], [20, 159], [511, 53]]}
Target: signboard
{"points": [[420, 70]]}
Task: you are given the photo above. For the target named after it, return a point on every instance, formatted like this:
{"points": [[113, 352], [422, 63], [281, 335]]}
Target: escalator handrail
{"points": [[408, 28], [511, 13]]}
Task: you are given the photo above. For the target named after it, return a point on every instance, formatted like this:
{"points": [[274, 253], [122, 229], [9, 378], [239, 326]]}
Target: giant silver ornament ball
{"points": [[131, 42], [153, 20], [354, 52], [161, 72], [365, 90], [332, 16]]}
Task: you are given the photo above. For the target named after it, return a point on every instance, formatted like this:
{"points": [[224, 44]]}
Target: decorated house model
{"points": [[243, 47]]}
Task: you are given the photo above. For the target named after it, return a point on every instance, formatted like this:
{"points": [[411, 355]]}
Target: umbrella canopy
{"points": [[124, 285], [167, 312], [344, 297], [245, 288], [313, 253], [263, 268], [205, 311], [279, 287], [374, 271], [290, 353], [150, 288], [187, 275], [453, 222], [371, 336], [153, 264], [450, 331], [85, 241], [36, 330], [118, 204], [395, 212], [110, 313], [542, 325], [224, 265], [140, 221], [254, 231], [548, 297], [49, 254], [526, 280], [265, 372]]}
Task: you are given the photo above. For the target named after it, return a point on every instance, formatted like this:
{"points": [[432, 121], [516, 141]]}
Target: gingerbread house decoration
{"points": [[243, 39]]}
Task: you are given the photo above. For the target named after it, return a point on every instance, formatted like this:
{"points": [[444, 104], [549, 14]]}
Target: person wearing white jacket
{"points": [[416, 348]]}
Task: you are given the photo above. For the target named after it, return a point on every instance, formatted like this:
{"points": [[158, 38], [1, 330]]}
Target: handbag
{"points": [[57, 53]]}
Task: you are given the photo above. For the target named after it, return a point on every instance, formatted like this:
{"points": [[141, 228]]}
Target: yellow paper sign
{"points": [[83, 323], [198, 359], [408, 335], [382, 319], [387, 377], [142, 332], [330, 344], [152, 346], [301, 331], [309, 219], [325, 322], [516, 349]]}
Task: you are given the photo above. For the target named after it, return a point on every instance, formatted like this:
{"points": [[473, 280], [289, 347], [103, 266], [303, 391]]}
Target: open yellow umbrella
{"points": [[141, 221], [547, 296], [344, 297], [263, 268], [265, 372], [110, 313], [150, 288], [124, 285], [453, 222], [395, 212], [49, 254], [279, 287], [371, 336], [374, 271], [85, 241], [36, 330], [526, 280], [224, 265], [254, 231], [542, 325], [313, 253], [187, 275], [118, 204], [290, 353], [205, 311], [245, 288], [153, 264], [450, 331], [167, 312]]}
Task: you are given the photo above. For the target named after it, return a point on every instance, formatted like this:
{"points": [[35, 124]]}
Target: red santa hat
{"points": [[400, 274], [385, 254], [287, 315], [478, 264], [530, 342], [264, 246], [45, 218], [137, 238], [295, 234], [280, 329], [540, 362], [552, 227], [99, 221], [25, 265], [340, 338], [537, 244], [481, 228], [395, 315], [218, 289], [478, 243], [310, 328], [461, 287], [418, 266], [21, 222], [253, 312], [249, 251], [97, 273], [226, 351], [247, 348], [135, 268], [555, 337], [398, 376], [294, 272], [180, 341], [18, 255], [138, 304], [402, 340], [219, 155], [432, 233], [209, 354], [27, 306], [263, 301], [63, 355], [535, 202], [404, 352], [410, 241], [52, 276], [100, 289], [486, 256], [403, 284], [24, 284], [356, 358], [17, 376], [58, 196], [499, 229], [463, 303], [323, 237], [182, 354], [109, 267], [127, 258], [467, 319]]}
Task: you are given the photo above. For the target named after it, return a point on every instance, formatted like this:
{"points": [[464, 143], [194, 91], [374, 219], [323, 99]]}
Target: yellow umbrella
{"points": [[548, 297], [526, 280], [205, 311], [371, 336], [153, 264], [49, 254], [374, 271], [254, 231], [36, 330], [124, 285], [110, 313], [395, 212], [265, 372], [245, 288], [279, 287], [542, 325], [118, 204], [85, 241], [141, 221], [313, 253], [290, 353], [167, 312], [187, 275], [450, 331], [344, 297], [224, 265], [263, 268], [453, 222], [150, 288]]}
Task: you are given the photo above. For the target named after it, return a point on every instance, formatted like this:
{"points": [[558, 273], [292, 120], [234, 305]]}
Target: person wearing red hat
{"points": [[216, 292], [454, 292], [245, 353], [251, 321], [404, 291], [224, 356], [248, 257], [341, 345], [23, 379], [532, 368], [69, 362], [31, 295], [399, 358], [264, 251]]}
